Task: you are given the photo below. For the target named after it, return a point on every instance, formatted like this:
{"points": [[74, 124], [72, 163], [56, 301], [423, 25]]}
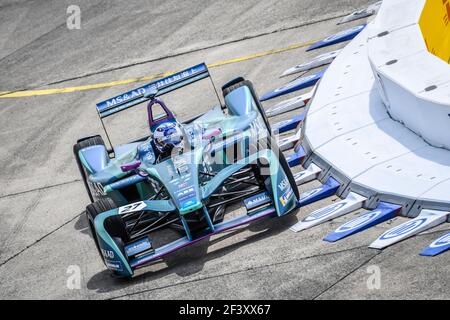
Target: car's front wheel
{"points": [[114, 225], [81, 144]]}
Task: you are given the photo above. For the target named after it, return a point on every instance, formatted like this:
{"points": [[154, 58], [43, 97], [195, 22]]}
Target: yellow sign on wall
{"points": [[435, 26]]}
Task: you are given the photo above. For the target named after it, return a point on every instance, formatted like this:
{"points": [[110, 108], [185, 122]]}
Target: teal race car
{"points": [[183, 175]]}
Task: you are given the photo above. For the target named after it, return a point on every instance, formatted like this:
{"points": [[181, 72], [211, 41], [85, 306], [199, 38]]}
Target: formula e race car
{"points": [[183, 175]]}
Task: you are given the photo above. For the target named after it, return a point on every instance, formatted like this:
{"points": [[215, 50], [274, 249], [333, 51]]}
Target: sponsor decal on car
{"points": [[107, 254], [187, 204], [284, 199], [125, 97], [185, 193], [159, 84], [257, 200], [114, 265], [138, 246], [133, 207], [283, 184]]}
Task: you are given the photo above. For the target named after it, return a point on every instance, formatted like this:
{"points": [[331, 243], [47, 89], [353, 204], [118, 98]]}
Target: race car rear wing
{"points": [[163, 86]]}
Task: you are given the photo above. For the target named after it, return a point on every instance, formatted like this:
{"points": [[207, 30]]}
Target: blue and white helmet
{"points": [[167, 136]]}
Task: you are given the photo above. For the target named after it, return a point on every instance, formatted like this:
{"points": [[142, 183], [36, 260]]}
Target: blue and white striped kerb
{"points": [[338, 37], [383, 212], [438, 246]]}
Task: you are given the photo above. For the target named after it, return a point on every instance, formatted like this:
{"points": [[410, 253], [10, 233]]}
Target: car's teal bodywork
{"points": [[219, 142]]}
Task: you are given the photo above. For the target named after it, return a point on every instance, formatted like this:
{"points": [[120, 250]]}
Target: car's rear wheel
{"points": [[81, 144], [240, 82]]}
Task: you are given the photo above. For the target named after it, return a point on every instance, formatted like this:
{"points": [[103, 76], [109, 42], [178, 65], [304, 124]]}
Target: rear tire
{"points": [[81, 144], [240, 82]]}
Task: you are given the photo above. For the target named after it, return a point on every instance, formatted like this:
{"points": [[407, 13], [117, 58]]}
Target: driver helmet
{"points": [[167, 136]]}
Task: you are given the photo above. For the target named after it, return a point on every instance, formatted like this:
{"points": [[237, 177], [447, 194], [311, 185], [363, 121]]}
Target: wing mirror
{"points": [[127, 167]]}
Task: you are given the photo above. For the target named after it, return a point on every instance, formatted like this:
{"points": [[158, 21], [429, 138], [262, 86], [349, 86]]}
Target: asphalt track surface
{"points": [[42, 227]]}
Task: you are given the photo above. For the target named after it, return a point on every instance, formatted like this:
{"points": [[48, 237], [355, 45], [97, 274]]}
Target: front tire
{"points": [[81, 144], [114, 225]]}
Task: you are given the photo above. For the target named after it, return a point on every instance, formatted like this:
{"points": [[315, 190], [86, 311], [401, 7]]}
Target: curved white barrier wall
{"points": [[413, 83], [354, 132]]}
